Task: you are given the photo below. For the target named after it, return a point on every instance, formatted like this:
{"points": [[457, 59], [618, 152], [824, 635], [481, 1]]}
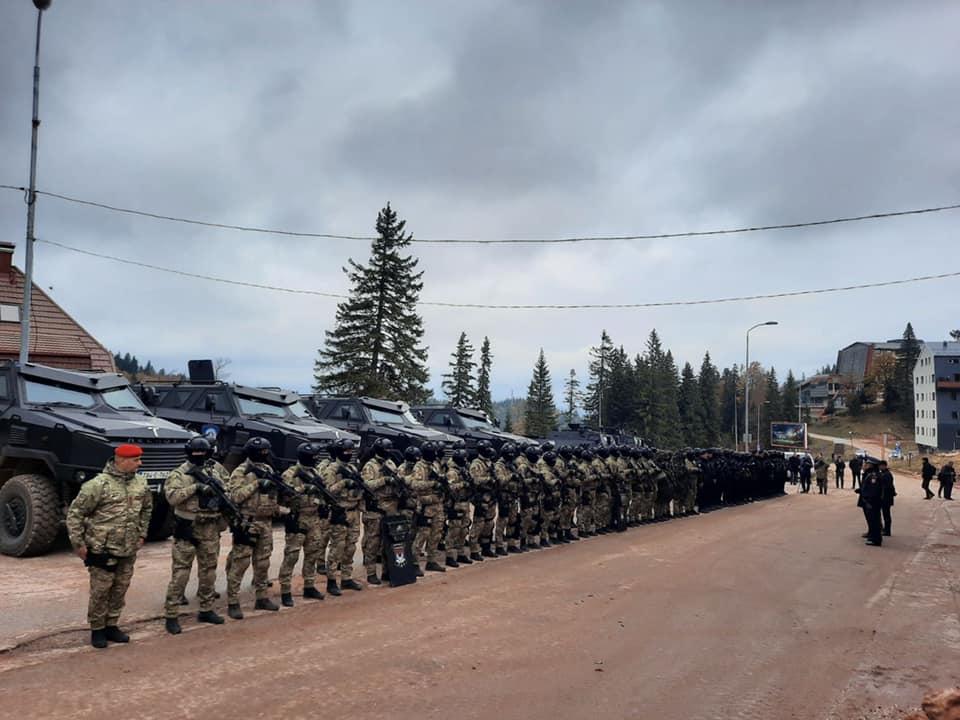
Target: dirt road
{"points": [[770, 610]]}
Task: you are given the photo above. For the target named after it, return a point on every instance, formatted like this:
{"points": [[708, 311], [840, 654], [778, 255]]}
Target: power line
{"points": [[502, 241], [484, 306]]}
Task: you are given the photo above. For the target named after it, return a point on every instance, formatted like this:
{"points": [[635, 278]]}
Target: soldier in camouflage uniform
{"points": [[305, 528], [379, 476], [529, 497], [343, 482], [409, 505], [196, 533], [586, 514], [484, 502], [508, 493], [570, 476], [257, 498], [694, 479], [550, 499], [603, 503], [107, 523], [459, 491], [649, 474], [425, 483], [664, 485]]}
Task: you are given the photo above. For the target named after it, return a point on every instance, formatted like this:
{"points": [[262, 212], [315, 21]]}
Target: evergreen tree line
{"points": [[129, 364]]}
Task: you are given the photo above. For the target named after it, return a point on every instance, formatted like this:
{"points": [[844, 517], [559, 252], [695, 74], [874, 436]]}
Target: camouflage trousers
{"points": [[426, 542], [206, 550], [549, 526], [636, 505], [565, 516], [240, 558], [602, 510], [586, 520], [458, 530], [663, 508], [645, 504], [108, 588], [529, 532], [314, 529], [481, 531], [628, 501], [691, 503], [343, 544], [372, 543], [506, 523]]}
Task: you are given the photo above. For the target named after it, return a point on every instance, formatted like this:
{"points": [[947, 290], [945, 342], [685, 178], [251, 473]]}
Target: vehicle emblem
{"points": [[155, 429]]}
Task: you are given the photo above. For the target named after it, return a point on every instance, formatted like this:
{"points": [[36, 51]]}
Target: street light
{"points": [[765, 402], [40, 5], [746, 387]]}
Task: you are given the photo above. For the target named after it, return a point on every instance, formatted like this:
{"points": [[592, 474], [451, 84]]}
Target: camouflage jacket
{"points": [[244, 489], [180, 489], [484, 484], [309, 502], [339, 481], [111, 514], [377, 475]]}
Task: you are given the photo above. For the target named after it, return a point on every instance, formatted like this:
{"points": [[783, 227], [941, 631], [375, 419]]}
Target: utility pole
{"points": [[41, 5]]}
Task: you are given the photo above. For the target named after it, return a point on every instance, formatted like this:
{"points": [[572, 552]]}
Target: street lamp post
{"points": [[41, 5], [757, 445], [746, 387]]}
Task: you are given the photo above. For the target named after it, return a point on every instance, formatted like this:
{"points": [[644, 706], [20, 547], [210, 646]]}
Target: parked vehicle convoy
{"points": [[579, 435], [59, 428], [371, 418], [228, 415], [468, 424]]}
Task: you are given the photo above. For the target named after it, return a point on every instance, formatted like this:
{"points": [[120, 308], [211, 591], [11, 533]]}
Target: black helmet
{"points": [[485, 449], [565, 451], [532, 452], [550, 457], [614, 451], [411, 453], [343, 449], [548, 446], [198, 450], [308, 453], [586, 454], [460, 457], [429, 451], [257, 449], [603, 452], [382, 447], [508, 450]]}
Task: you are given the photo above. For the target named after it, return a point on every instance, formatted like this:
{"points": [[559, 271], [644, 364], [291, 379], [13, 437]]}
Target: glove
{"points": [[264, 484], [204, 490]]}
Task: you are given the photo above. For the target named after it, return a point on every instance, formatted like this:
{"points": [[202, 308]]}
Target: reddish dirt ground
{"points": [[770, 610]]}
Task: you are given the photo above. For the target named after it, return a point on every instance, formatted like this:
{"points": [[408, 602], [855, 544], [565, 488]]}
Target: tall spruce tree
{"points": [[571, 396], [731, 418], [642, 388], [540, 416], [597, 394], [790, 398], [484, 400], [375, 348], [903, 375], [458, 383], [690, 409], [772, 407], [709, 385], [621, 392], [668, 384]]}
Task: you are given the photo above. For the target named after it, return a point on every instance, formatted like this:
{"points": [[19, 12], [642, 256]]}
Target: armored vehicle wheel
{"points": [[30, 515]]}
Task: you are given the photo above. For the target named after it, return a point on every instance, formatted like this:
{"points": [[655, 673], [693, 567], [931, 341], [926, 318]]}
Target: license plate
{"points": [[153, 474]]}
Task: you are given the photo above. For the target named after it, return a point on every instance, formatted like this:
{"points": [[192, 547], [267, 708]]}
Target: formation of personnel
{"points": [[463, 510]]}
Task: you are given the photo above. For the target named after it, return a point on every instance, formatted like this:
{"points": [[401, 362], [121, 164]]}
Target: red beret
{"points": [[128, 451]]}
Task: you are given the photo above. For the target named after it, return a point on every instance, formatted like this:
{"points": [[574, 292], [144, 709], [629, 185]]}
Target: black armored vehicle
{"points": [[371, 419], [581, 436], [59, 428], [469, 424], [228, 415]]}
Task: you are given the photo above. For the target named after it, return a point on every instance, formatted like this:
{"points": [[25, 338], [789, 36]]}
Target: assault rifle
{"points": [[244, 532], [337, 514], [285, 493]]}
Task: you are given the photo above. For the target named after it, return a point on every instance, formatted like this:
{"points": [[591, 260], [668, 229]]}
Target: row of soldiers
{"points": [[463, 510]]}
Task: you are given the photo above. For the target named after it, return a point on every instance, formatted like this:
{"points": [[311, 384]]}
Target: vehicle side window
{"points": [[220, 402], [348, 411], [442, 418]]}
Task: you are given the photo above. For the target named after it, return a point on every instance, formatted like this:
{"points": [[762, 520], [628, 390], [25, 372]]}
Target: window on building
{"points": [[933, 414], [955, 415], [9, 313]]}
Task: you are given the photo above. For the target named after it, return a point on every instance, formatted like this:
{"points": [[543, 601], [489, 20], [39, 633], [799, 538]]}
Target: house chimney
{"points": [[6, 257]]}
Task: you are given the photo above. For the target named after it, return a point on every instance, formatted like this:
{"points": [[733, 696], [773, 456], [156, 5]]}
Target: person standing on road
{"points": [[793, 469], [379, 476], [306, 529], [946, 477], [484, 502], [459, 492], [838, 467], [343, 482], [856, 464], [806, 470], [820, 469], [196, 531], [107, 524], [870, 496], [927, 473], [888, 492]]}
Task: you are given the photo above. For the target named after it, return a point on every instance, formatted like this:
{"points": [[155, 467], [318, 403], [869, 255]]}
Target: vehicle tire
{"points": [[30, 515], [161, 521]]}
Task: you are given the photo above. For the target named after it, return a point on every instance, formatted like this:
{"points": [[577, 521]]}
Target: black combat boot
{"points": [[419, 570], [286, 599], [173, 626], [311, 593], [332, 588], [464, 560], [373, 580], [435, 567], [546, 542], [265, 604], [452, 563], [235, 612], [209, 616], [98, 639], [115, 634], [476, 557], [487, 551], [501, 552], [351, 584]]}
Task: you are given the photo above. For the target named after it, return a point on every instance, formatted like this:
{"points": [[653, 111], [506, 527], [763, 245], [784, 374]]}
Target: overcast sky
{"points": [[492, 120]]}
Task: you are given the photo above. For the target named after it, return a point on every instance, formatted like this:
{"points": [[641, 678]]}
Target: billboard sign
{"points": [[790, 435]]}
